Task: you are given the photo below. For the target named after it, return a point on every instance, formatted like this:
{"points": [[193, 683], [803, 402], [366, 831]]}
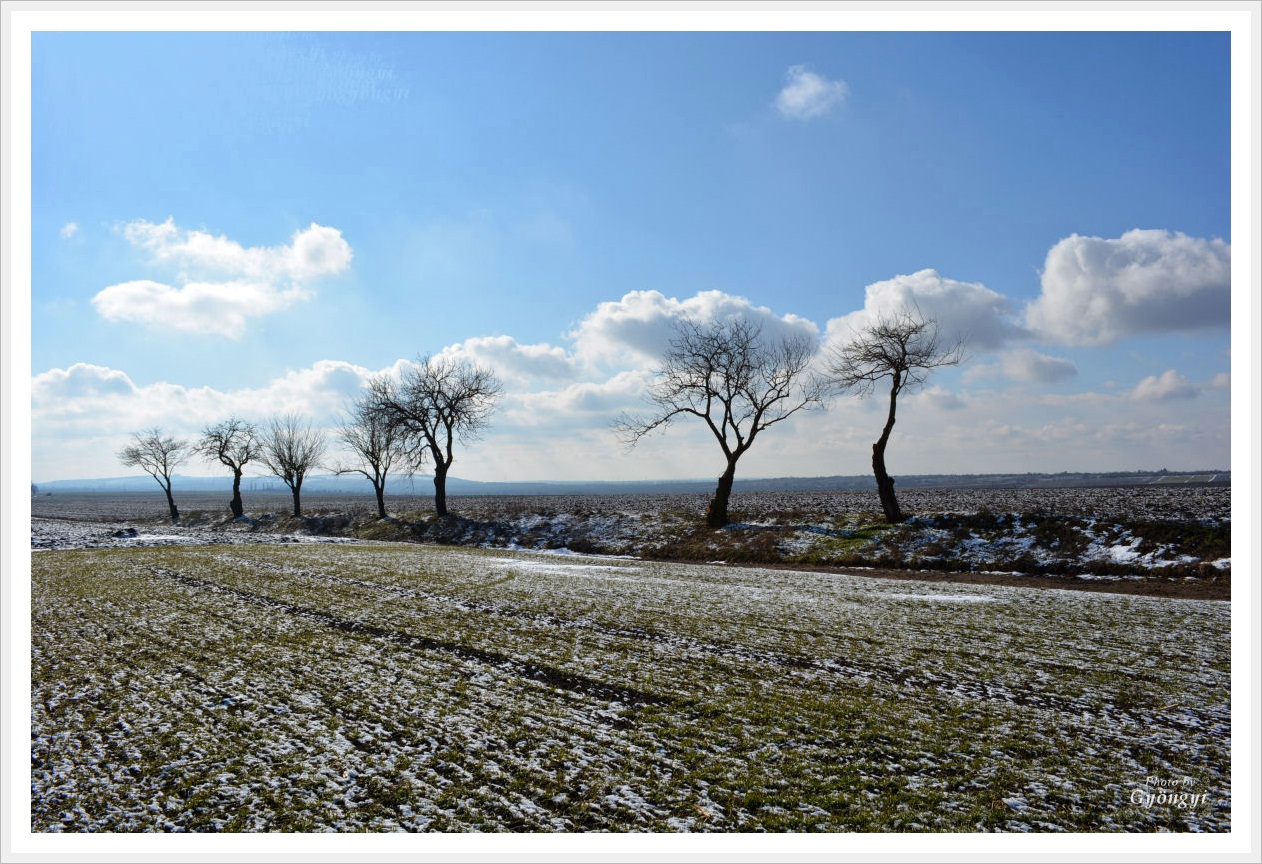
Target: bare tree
{"points": [[738, 384], [291, 448], [375, 445], [157, 455], [903, 347], [438, 402], [234, 443]]}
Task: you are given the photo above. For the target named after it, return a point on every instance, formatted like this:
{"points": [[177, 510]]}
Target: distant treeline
{"points": [[420, 484]]}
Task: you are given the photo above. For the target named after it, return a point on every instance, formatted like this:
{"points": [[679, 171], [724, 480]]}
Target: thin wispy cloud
{"points": [[224, 284], [807, 95], [298, 76], [69, 230]]}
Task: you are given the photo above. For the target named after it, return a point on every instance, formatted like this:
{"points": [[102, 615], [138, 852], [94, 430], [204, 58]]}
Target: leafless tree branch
{"points": [[735, 382], [438, 403], [158, 455]]}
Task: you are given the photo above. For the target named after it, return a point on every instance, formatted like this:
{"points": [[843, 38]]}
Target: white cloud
{"points": [[807, 95], [84, 413], [1167, 386], [223, 308], [638, 328], [69, 230], [513, 361], [1026, 365], [224, 283], [95, 400], [1097, 291], [939, 399], [554, 419], [312, 252], [79, 381], [967, 310], [581, 403]]}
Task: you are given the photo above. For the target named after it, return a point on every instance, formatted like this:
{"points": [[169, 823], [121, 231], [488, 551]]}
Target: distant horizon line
{"points": [[350, 477]]}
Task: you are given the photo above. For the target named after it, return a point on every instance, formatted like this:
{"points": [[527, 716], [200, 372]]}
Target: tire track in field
{"points": [[544, 675], [1190, 720], [946, 684]]}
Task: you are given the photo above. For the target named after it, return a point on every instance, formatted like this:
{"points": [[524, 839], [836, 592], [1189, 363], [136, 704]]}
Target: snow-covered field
{"points": [[310, 686]]}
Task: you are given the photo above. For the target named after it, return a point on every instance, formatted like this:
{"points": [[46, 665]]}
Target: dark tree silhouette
{"points": [[367, 433], [157, 455], [903, 347], [234, 443], [291, 448], [438, 402], [737, 383]]}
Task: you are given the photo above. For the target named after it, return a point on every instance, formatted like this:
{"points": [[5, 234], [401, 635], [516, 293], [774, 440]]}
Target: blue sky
{"points": [[241, 223]]}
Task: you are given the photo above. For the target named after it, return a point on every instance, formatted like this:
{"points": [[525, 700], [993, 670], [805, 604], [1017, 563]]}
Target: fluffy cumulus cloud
{"points": [[554, 419], [514, 362], [590, 404], [223, 284], [807, 95], [84, 414], [639, 327], [967, 310], [1167, 387], [1096, 291], [79, 381], [86, 397]]}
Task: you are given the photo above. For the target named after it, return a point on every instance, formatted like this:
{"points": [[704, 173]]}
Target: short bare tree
{"points": [[373, 444], [439, 401], [234, 443], [728, 376], [903, 347], [158, 455], [291, 449]]}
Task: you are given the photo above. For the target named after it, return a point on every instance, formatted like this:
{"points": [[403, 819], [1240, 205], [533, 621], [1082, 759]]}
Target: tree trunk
{"points": [[238, 510], [175, 512], [716, 513], [380, 489], [297, 500], [440, 489], [885, 485], [884, 482]]}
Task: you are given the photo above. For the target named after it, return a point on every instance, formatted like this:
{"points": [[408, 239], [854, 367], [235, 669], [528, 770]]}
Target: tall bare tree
{"points": [[157, 455], [373, 443], [235, 443], [903, 347], [736, 382], [291, 448], [438, 401]]}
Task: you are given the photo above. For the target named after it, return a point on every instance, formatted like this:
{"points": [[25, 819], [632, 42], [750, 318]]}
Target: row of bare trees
{"points": [[727, 375], [723, 373], [438, 403], [287, 445]]}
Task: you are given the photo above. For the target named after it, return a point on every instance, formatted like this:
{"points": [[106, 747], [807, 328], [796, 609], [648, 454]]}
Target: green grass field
{"points": [[403, 687]]}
